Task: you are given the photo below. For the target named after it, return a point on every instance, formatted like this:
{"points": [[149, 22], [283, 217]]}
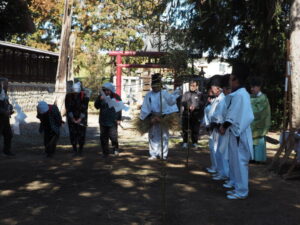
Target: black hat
{"points": [[225, 81], [156, 78], [215, 80], [240, 71]]}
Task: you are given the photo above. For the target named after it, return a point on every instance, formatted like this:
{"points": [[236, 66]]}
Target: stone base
{"points": [[27, 95]]}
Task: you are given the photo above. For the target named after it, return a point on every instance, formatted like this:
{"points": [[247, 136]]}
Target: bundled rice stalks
{"points": [[142, 126], [170, 121]]}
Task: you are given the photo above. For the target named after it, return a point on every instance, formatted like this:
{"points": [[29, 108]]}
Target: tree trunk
{"points": [[295, 62], [71, 52], [62, 69]]}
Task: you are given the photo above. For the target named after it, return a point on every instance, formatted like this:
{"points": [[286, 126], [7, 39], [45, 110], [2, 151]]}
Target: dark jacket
{"points": [[108, 116], [77, 106], [196, 99], [50, 121], [6, 107]]}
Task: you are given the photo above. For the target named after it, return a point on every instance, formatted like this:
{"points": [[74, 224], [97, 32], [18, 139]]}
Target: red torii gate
{"points": [[120, 66]]}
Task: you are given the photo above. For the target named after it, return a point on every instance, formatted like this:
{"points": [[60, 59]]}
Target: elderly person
{"points": [[77, 113], [51, 121], [109, 119], [262, 119]]}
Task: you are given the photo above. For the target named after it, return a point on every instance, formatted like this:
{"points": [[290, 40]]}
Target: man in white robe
{"points": [[208, 110], [216, 120], [237, 126], [152, 107]]}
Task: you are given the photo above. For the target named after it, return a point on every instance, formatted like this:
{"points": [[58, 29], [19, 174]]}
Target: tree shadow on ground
{"points": [[127, 189]]}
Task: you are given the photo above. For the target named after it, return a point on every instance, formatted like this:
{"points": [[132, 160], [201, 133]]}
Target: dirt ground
{"points": [[127, 189]]}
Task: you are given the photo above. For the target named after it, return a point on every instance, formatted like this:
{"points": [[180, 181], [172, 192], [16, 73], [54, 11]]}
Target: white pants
{"points": [[239, 157], [222, 163], [213, 143], [155, 141]]}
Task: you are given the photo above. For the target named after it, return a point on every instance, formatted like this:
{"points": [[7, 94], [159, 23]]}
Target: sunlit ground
{"points": [[129, 189]]}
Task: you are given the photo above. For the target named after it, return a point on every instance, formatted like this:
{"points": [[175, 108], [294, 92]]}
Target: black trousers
{"points": [[6, 132], [77, 134], [107, 133], [194, 126], [50, 142]]}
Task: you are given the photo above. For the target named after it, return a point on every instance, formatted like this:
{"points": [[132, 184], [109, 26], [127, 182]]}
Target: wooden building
{"points": [[20, 63]]}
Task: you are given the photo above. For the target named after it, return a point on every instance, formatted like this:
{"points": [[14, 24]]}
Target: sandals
{"points": [[235, 196]]}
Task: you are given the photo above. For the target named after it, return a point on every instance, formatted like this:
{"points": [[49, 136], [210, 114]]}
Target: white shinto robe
{"points": [[240, 115], [218, 117], [215, 116], [151, 105]]}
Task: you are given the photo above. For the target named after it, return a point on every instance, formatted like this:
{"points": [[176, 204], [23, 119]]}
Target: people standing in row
{"points": [[51, 122], [157, 104], [6, 110], [192, 110], [109, 119], [236, 127], [77, 114], [262, 119]]}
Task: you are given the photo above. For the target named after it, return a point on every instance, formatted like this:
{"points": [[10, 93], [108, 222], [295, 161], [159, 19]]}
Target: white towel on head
{"points": [[109, 86], [76, 87], [42, 107]]}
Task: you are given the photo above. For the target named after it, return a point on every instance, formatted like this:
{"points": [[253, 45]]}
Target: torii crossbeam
{"points": [[120, 65]]}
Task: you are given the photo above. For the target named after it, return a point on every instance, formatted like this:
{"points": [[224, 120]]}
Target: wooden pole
{"points": [[62, 68]]}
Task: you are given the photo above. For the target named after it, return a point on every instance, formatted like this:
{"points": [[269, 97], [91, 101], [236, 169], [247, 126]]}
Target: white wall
{"points": [[212, 68]]}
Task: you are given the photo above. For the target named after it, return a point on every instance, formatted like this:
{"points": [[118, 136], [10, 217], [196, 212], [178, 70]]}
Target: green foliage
{"points": [[14, 18], [100, 26], [253, 32]]}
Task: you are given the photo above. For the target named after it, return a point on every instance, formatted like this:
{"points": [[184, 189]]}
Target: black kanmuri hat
{"points": [[215, 80], [240, 71], [156, 78], [225, 81]]}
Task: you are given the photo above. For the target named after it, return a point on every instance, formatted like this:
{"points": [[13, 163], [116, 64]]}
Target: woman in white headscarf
{"points": [[76, 108], [109, 118], [51, 121]]}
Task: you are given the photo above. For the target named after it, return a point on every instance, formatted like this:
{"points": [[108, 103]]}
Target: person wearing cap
{"points": [[236, 127], [158, 103], [51, 121], [77, 114], [262, 119], [109, 119], [6, 111], [192, 108]]}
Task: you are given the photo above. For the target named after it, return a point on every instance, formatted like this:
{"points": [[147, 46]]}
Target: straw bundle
{"points": [[170, 121]]}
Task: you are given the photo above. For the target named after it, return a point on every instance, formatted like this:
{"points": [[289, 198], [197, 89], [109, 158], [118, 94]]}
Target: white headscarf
{"points": [[42, 107], [77, 87], [109, 86]]}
